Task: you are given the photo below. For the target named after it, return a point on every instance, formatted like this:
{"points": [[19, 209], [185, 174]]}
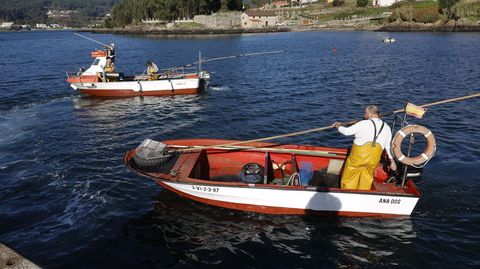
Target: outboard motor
{"points": [[413, 173], [252, 173], [151, 153]]}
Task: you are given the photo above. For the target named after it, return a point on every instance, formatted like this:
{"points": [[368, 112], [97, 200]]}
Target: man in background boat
{"points": [[372, 136], [110, 66], [152, 70], [110, 50]]}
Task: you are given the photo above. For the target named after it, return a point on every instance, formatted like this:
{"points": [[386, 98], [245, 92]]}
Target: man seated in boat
{"points": [[152, 70], [109, 69], [110, 66], [372, 136]]}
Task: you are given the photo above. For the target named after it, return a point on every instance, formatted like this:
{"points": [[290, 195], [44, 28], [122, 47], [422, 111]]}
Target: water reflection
{"points": [[198, 234], [138, 117], [373, 240]]}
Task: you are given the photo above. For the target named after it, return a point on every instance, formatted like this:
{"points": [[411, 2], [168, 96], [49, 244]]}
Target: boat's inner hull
{"points": [[245, 178]]}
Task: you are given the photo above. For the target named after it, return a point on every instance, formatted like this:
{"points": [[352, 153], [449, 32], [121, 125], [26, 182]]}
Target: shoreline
{"points": [[451, 26], [162, 31]]}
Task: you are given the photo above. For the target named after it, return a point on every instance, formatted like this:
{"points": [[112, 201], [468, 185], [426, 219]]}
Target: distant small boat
{"points": [[267, 178], [389, 40], [96, 82]]}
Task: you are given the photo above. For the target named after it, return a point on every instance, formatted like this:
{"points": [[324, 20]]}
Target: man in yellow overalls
{"points": [[372, 136], [152, 70], [110, 66]]}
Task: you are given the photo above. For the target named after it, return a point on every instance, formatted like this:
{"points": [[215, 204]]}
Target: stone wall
{"points": [[222, 20]]}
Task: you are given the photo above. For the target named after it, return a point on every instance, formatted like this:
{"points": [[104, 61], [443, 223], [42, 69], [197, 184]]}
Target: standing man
{"points": [[372, 136]]}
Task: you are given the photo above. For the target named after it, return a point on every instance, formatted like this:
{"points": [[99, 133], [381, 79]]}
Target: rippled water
{"points": [[67, 201]]}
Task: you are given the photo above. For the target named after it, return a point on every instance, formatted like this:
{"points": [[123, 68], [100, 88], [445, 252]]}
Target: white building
{"points": [[383, 3], [258, 19], [305, 2], [6, 24]]}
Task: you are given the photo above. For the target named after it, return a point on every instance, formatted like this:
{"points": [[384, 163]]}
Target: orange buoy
{"points": [[426, 155]]}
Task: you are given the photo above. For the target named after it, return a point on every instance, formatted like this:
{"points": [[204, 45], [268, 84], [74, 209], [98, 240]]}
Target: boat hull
{"points": [[296, 202], [141, 88], [206, 176]]}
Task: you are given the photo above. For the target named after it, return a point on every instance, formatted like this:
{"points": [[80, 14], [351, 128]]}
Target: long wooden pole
{"points": [[345, 123], [93, 40], [232, 56]]}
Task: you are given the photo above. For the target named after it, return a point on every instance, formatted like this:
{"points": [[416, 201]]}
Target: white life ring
{"points": [[421, 158]]}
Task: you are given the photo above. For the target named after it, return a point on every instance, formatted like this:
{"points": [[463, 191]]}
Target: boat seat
{"points": [[201, 166], [268, 176], [335, 166]]}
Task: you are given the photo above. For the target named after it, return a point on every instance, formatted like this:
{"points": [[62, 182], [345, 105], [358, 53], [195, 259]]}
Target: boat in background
{"points": [[96, 82], [267, 178], [388, 40]]}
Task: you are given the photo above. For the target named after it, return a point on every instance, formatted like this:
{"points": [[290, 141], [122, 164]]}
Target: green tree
{"points": [[362, 3], [338, 3], [234, 5], [447, 4]]}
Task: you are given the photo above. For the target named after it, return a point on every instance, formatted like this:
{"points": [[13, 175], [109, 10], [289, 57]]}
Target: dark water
{"points": [[67, 201]]}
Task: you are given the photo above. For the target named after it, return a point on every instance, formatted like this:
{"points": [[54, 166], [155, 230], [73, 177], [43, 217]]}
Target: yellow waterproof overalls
{"points": [[152, 72], [358, 169]]}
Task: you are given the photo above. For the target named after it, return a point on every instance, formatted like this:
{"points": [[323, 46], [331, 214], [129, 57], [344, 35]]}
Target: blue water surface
{"points": [[67, 200]]}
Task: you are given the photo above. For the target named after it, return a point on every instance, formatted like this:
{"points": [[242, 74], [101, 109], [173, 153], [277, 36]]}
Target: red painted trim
{"points": [[82, 79], [128, 92]]}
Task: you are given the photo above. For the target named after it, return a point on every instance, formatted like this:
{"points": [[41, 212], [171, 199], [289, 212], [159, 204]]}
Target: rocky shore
{"points": [[440, 26], [450, 26], [184, 31], [13, 260]]}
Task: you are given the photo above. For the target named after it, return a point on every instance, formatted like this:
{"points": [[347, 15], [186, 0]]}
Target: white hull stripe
{"points": [[302, 199]]}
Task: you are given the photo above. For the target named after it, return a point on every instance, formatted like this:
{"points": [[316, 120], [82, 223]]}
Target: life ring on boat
{"points": [[426, 155]]}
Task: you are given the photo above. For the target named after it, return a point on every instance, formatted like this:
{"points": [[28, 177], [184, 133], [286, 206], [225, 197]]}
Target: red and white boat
{"points": [[267, 178], [96, 82]]}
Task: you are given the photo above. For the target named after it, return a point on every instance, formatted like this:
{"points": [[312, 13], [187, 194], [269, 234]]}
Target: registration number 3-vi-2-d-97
{"points": [[205, 189]]}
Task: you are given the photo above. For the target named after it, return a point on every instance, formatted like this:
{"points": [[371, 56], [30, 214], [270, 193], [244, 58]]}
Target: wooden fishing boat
{"points": [[95, 81], [165, 84], [267, 178]]}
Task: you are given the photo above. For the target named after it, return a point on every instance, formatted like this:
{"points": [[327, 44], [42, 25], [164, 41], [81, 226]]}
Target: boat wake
{"points": [[219, 88]]}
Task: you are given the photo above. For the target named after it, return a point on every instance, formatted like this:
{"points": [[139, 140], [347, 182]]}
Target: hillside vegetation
{"points": [[433, 11], [132, 11], [35, 11]]}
